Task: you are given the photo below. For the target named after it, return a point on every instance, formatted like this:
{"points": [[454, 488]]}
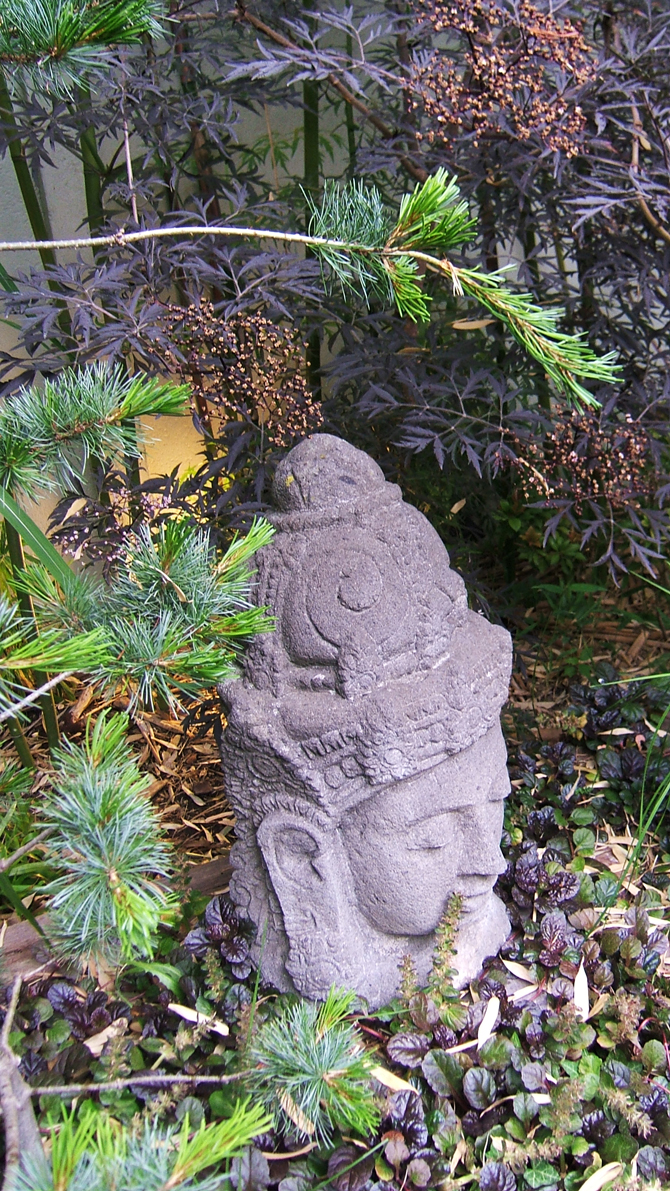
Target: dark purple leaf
{"points": [[534, 1077], [349, 1169], [496, 1176], [221, 921], [479, 1087], [197, 942], [63, 997], [528, 871], [405, 1112], [407, 1050]]}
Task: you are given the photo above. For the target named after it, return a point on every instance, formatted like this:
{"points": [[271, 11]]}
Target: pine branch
{"points": [[431, 222], [173, 619], [21, 652], [109, 898], [93, 1151], [311, 1071], [563, 357], [54, 44], [48, 434], [368, 255]]}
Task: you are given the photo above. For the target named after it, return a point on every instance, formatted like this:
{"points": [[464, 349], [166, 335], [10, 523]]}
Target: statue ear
{"points": [[308, 872], [292, 852]]}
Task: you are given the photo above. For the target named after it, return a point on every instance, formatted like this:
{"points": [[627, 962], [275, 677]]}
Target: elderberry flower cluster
{"points": [[514, 71], [589, 460], [246, 365]]}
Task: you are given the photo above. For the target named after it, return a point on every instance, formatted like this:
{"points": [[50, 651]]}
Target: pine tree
{"points": [[173, 618], [95, 1153]]}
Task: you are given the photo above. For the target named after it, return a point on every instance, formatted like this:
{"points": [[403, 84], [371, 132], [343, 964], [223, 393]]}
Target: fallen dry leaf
{"points": [[487, 1024], [581, 993], [200, 1019], [459, 1153], [115, 1029], [518, 970], [389, 1080], [295, 1113], [600, 1178]]}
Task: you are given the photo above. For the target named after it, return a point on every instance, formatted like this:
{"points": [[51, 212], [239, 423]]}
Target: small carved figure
{"points": [[363, 754]]}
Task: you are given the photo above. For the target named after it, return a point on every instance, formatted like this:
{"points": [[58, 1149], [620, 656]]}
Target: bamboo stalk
{"points": [[311, 166], [93, 169], [24, 177], [21, 744]]}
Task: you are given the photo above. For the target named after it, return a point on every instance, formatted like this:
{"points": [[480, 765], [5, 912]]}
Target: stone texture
{"points": [[363, 754]]}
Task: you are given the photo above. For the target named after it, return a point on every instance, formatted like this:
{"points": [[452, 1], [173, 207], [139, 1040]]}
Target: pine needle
{"points": [[49, 433], [107, 843], [311, 1071]]}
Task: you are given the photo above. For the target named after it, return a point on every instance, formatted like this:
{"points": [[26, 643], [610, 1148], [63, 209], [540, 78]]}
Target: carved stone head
{"points": [[363, 754]]}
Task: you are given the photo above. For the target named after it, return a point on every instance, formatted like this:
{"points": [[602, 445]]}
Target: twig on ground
{"points": [[119, 1085], [37, 842], [22, 1137], [10, 712]]}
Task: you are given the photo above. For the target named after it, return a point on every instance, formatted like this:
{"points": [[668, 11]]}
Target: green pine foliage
{"points": [[109, 896], [311, 1071], [174, 619], [95, 1153], [21, 652], [367, 254], [49, 433], [54, 44]]}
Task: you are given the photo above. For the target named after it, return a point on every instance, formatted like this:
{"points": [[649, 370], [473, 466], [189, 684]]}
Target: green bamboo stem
{"points": [[21, 744], [92, 172], [349, 120], [24, 177], [310, 97], [18, 561]]}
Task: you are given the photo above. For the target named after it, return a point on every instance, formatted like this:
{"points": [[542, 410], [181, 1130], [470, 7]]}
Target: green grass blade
{"points": [[8, 283], [9, 893], [34, 539]]}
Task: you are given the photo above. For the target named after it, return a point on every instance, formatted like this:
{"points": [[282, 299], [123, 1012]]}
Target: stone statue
{"points": [[363, 753]]}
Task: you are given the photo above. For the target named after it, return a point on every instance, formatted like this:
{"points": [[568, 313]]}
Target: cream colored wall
{"points": [[176, 442]]}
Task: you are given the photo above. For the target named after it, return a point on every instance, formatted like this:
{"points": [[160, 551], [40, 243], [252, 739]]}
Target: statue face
{"points": [[417, 842]]}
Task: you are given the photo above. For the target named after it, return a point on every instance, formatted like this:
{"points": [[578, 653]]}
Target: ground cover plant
{"points": [[549, 1070], [390, 97]]}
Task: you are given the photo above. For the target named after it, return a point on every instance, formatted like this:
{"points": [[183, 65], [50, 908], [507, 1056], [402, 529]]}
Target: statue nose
{"points": [[481, 850]]}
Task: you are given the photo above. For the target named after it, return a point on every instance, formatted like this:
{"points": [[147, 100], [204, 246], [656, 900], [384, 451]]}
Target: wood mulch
{"points": [[629, 641], [187, 787]]}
